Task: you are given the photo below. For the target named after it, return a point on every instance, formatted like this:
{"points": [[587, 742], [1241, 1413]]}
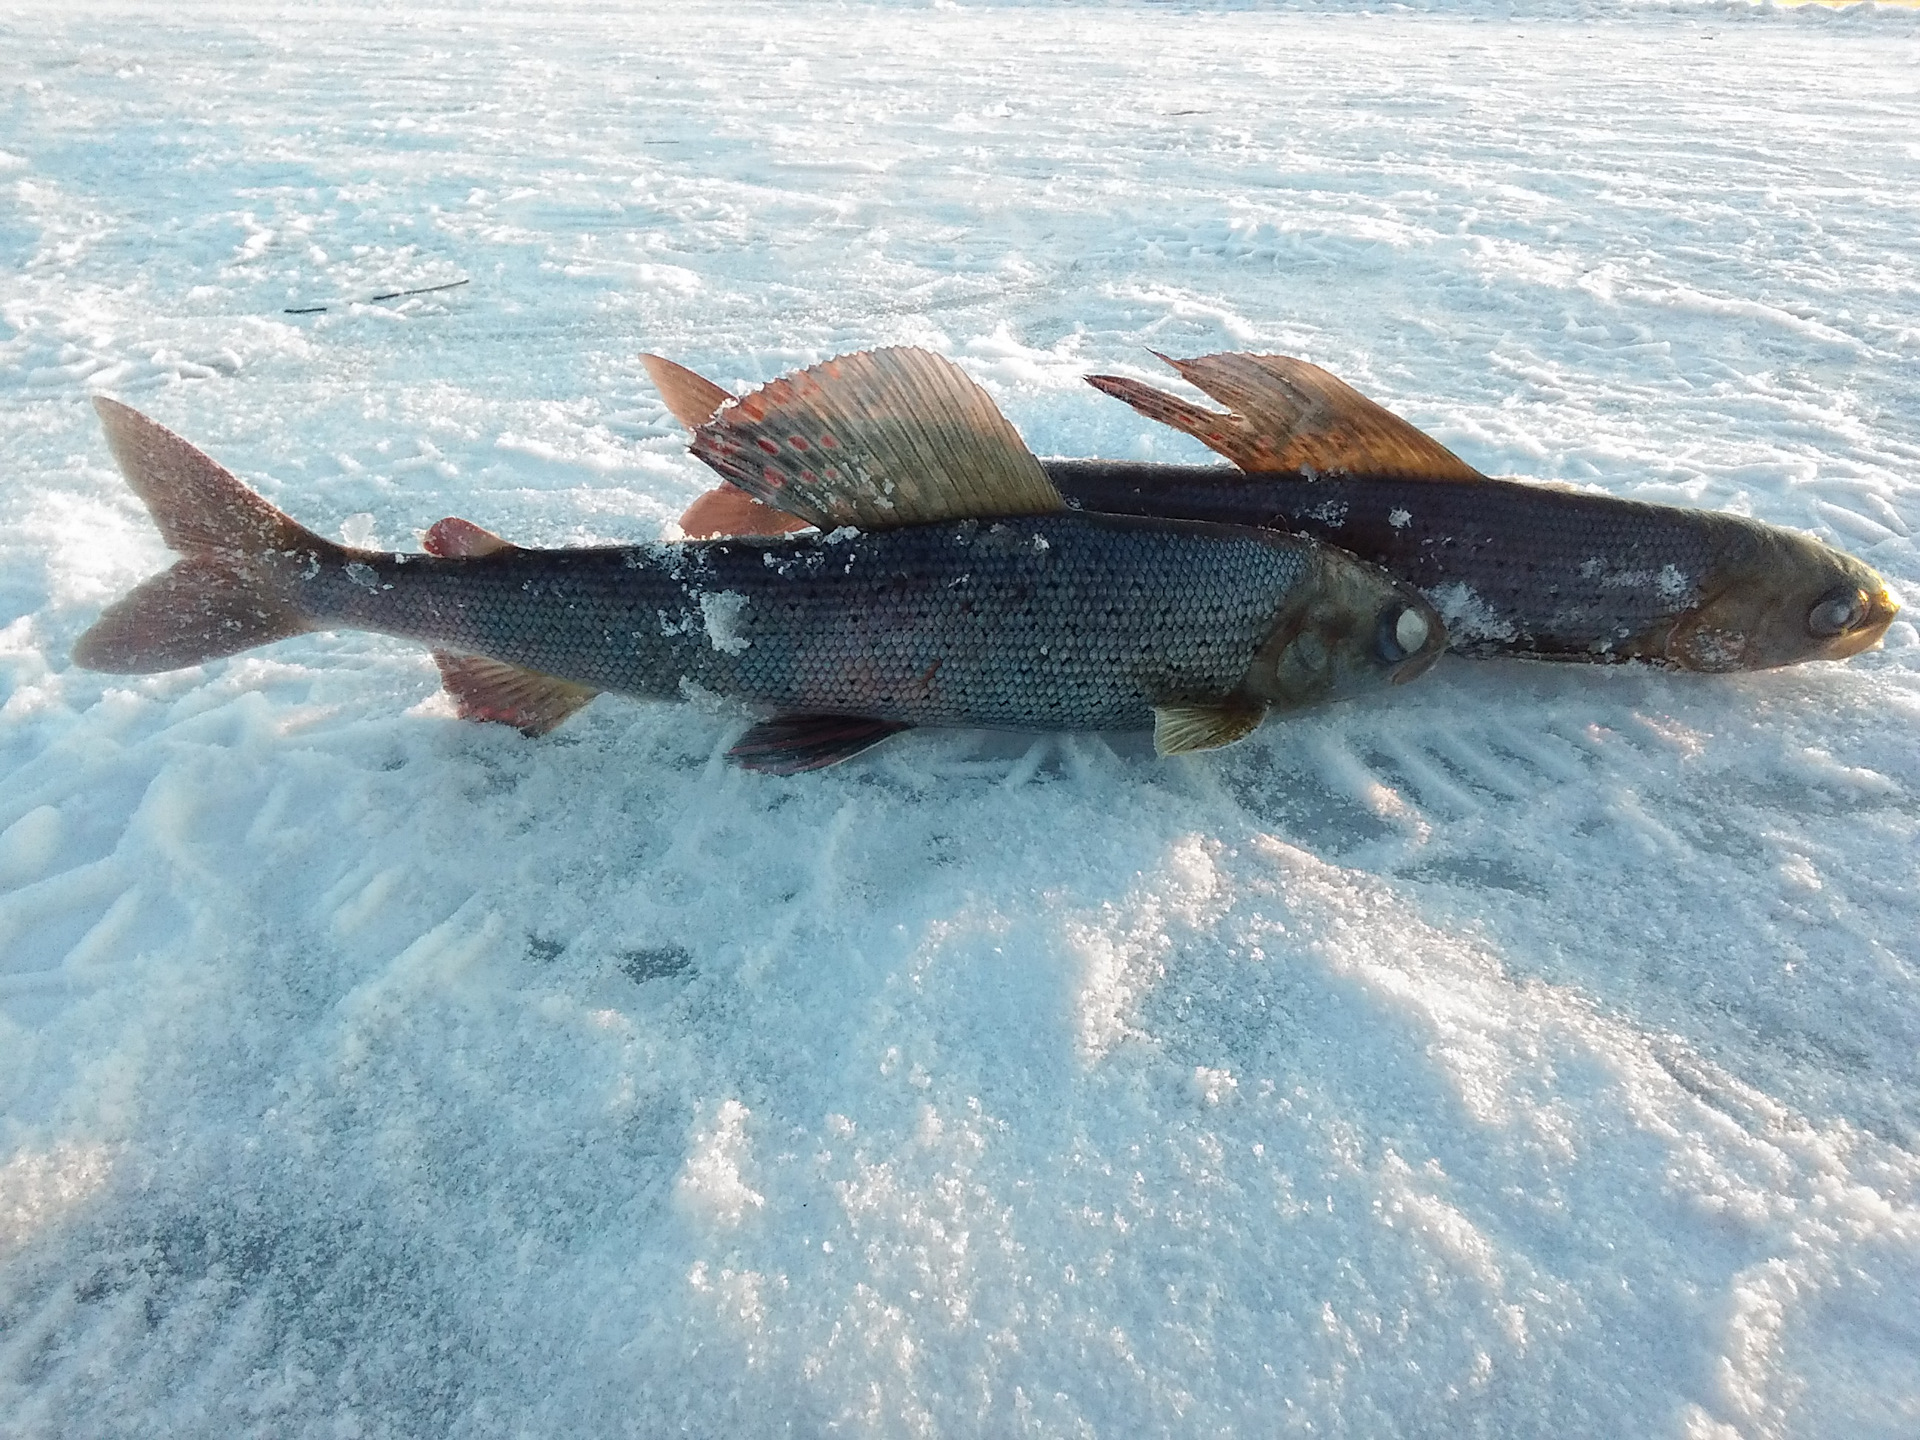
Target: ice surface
{"points": [[1536, 1052]]}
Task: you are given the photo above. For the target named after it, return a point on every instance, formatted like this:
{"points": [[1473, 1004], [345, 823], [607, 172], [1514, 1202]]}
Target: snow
{"points": [[720, 613], [1535, 1051]]}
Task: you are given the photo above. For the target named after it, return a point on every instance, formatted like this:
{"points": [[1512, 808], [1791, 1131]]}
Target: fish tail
{"points": [[236, 584]]}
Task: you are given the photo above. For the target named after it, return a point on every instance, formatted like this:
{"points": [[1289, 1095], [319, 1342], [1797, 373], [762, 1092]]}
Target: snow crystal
{"points": [[1468, 616], [721, 612], [1674, 586]]}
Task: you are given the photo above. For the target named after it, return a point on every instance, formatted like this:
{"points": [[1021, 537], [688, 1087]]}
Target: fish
{"points": [[1517, 568], [942, 580]]}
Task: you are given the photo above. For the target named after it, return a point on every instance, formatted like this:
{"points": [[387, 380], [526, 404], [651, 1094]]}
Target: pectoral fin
{"points": [[877, 439], [485, 689], [1286, 415], [791, 744], [1180, 728]]}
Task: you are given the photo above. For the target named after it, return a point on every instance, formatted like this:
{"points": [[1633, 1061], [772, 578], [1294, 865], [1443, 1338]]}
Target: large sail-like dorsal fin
{"points": [[876, 439], [1284, 414]]}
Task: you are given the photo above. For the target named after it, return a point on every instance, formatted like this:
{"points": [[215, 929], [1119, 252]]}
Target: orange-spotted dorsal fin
{"points": [[457, 539], [725, 511], [691, 398], [877, 439], [1286, 415]]}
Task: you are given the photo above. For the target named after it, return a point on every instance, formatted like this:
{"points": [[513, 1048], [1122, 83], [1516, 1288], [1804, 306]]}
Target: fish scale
{"points": [[1516, 569], [1053, 622]]}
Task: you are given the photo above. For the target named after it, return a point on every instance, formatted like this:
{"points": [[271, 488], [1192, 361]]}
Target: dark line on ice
{"points": [[385, 295], [423, 290]]}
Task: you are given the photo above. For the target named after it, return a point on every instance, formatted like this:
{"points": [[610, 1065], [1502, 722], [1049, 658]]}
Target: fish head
{"points": [[1347, 629], [1776, 597]]}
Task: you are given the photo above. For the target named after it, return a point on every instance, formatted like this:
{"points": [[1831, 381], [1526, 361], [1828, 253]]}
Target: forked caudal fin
{"points": [[229, 592]]}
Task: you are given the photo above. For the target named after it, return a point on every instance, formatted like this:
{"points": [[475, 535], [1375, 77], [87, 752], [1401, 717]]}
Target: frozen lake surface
{"points": [[1536, 1052]]}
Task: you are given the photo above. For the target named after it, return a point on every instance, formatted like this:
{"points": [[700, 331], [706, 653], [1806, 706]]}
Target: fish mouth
{"points": [[1416, 667], [1881, 610]]}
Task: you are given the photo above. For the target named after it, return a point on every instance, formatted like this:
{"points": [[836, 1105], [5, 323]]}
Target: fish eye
{"points": [[1403, 630], [1837, 612]]}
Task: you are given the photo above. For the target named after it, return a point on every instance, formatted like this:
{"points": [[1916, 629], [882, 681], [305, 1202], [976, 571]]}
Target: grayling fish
{"points": [[1517, 569], [945, 583]]}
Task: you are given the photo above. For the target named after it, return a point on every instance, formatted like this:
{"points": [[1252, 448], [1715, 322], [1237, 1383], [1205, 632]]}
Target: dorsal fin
{"points": [[726, 511], [1284, 414], [876, 439], [457, 539], [690, 398]]}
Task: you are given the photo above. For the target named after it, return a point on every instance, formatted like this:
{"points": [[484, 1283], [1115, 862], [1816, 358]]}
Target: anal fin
{"points": [[1180, 728], [793, 744], [486, 689]]}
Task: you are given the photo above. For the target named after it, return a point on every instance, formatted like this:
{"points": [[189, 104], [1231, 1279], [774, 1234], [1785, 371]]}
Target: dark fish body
{"points": [[1515, 569], [1045, 623], [1524, 569], [925, 613]]}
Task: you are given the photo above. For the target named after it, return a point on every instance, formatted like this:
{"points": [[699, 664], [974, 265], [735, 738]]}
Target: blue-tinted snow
{"points": [[1536, 1052]]}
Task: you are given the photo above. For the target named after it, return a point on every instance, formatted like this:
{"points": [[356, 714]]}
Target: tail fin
{"points": [[227, 594]]}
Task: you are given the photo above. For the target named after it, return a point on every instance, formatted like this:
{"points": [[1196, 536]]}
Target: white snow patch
{"points": [[721, 611], [28, 846], [1469, 617], [38, 1188], [710, 1184]]}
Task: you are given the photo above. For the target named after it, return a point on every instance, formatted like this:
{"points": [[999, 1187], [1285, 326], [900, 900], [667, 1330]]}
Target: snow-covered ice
{"points": [[1536, 1052]]}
